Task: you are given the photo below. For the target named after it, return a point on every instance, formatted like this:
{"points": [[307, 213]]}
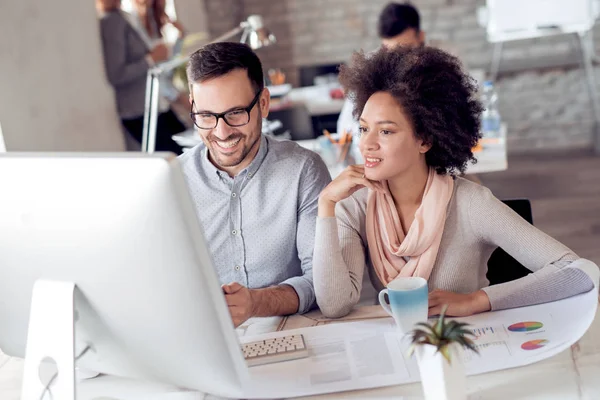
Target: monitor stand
{"points": [[51, 340]]}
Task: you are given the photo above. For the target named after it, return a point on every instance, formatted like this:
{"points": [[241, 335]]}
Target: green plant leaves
{"points": [[441, 334]]}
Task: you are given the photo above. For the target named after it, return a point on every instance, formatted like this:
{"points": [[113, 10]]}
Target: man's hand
{"points": [[459, 305], [240, 302], [245, 303]]}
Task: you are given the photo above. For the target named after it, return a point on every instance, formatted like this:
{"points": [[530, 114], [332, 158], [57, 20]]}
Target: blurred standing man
{"points": [[399, 25]]}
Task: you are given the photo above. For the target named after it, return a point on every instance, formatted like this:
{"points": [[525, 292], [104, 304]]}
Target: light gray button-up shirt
{"points": [[260, 225]]}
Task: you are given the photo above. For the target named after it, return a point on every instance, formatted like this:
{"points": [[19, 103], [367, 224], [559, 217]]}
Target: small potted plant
{"points": [[438, 346]]}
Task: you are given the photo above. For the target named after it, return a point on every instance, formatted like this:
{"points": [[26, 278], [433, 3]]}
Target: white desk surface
{"points": [[316, 99], [490, 159], [572, 374]]}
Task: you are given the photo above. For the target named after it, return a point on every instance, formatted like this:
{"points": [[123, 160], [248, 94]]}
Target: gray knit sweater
{"points": [[476, 224]]}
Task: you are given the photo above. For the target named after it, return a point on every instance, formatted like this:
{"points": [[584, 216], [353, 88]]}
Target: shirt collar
{"points": [[250, 169]]}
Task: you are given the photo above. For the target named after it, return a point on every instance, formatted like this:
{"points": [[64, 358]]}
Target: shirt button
{"points": [[233, 194], [233, 232], [237, 267], [250, 174]]}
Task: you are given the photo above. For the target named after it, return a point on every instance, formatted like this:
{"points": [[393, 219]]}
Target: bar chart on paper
{"points": [[490, 342], [484, 332]]}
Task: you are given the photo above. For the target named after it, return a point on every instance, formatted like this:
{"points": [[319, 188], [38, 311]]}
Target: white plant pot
{"points": [[441, 380]]}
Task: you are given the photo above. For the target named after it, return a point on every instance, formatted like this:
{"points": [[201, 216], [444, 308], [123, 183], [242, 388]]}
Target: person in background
{"points": [[152, 23], [127, 59], [256, 197], [153, 18], [406, 213], [398, 25]]}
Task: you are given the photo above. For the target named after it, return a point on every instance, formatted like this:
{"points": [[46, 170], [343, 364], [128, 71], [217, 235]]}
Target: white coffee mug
{"points": [[408, 302]]}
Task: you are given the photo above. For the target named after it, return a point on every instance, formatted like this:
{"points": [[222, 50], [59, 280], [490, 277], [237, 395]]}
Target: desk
{"points": [[316, 99], [572, 374], [491, 159]]}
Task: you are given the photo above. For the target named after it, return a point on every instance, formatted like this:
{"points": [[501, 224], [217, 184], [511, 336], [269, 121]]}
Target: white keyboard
{"points": [[275, 350]]}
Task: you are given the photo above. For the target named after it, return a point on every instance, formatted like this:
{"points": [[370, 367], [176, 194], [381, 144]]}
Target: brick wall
{"points": [[545, 107]]}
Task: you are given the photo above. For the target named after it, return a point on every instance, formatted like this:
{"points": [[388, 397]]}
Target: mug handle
{"points": [[383, 303]]}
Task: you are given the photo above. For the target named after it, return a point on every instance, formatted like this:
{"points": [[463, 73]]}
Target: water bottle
{"points": [[490, 118]]}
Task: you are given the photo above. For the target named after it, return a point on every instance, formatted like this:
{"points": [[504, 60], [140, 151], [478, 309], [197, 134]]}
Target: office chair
{"points": [[501, 266], [296, 120]]}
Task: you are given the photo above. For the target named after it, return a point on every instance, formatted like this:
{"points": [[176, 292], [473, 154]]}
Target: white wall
{"points": [[192, 14], [53, 91]]}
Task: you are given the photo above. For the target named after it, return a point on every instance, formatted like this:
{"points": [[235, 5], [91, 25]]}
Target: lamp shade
{"points": [[259, 35]]}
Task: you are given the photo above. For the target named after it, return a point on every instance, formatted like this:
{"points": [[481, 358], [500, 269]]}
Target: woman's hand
{"points": [[459, 305], [346, 183], [160, 52]]}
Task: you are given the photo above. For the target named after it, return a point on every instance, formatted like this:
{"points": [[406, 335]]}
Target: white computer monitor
{"points": [[122, 230]]}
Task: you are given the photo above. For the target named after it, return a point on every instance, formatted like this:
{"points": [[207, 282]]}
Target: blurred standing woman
{"points": [[155, 27], [127, 58], [152, 16]]}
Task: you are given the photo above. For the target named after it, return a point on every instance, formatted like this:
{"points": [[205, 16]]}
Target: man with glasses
{"points": [[256, 197]]}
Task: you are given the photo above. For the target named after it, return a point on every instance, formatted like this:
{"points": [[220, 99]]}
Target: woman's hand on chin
{"points": [[344, 185]]}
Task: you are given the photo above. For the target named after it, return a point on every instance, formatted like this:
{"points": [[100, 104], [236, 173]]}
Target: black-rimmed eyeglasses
{"points": [[236, 117]]}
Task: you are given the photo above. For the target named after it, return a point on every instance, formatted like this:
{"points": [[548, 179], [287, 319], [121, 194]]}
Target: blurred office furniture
{"points": [[295, 120], [314, 74], [509, 20], [324, 108], [321, 104], [318, 99]]}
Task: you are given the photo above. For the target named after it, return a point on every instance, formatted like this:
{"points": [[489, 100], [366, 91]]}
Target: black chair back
{"points": [[501, 266], [296, 120]]}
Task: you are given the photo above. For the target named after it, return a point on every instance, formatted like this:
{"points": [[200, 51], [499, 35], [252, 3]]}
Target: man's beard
{"points": [[227, 161]]}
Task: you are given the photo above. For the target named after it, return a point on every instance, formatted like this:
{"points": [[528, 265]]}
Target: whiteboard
{"points": [[522, 19]]}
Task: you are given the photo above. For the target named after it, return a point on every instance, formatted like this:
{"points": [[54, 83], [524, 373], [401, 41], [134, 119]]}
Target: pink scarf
{"points": [[385, 237]]}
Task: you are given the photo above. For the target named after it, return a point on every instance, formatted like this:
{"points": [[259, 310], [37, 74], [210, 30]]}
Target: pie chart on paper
{"points": [[527, 326], [534, 344]]}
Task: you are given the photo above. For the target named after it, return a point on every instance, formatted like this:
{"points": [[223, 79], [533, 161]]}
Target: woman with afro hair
{"points": [[406, 212]]}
